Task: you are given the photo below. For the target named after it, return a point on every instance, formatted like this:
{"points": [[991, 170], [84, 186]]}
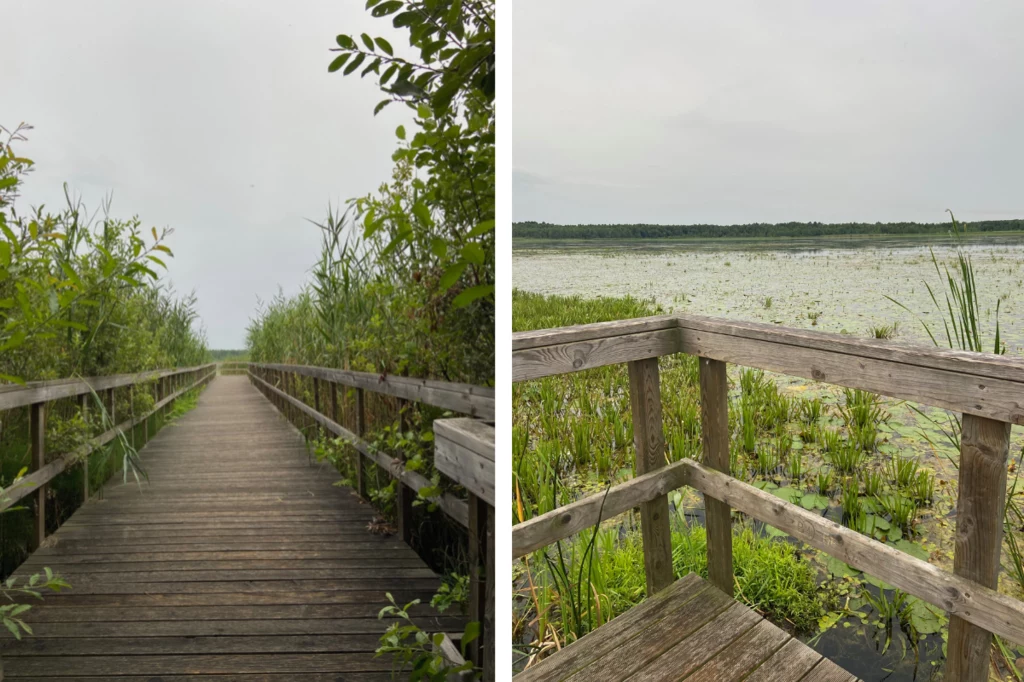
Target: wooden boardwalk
{"points": [[239, 558], [689, 630]]}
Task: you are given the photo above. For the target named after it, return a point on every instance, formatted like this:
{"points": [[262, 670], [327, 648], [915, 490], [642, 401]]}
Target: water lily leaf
{"points": [[895, 534], [878, 582], [814, 501], [841, 569], [911, 548], [774, 532], [791, 495], [765, 485]]}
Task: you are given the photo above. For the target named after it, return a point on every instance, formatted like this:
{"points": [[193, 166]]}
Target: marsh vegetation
{"points": [[882, 467]]}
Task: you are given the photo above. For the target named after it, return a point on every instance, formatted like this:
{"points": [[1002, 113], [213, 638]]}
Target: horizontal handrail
{"points": [[980, 605], [32, 482], [981, 384], [452, 506], [45, 391], [476, 401]]}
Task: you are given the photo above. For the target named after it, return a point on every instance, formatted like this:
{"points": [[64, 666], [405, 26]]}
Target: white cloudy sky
{"points": [[751, 111], [214, 117]]}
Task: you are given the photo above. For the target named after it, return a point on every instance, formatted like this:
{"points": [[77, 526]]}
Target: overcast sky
{"points": [[736, 112], [215, 118]]}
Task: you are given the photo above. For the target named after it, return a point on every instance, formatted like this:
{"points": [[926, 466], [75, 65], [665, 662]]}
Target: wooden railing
{"points": [[170, 384], [988, 390], [463, 451], [232, 367]]}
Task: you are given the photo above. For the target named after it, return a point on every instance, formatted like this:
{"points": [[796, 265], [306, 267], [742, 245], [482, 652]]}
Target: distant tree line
{"points": [[535, 230]]}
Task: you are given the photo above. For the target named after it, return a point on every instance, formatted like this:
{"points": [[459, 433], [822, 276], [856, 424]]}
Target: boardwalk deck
{"points": [[689, 630], [239, 558]]}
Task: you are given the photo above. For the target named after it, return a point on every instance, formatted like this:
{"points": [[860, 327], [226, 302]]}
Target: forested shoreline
{"points": [[535, 230]]}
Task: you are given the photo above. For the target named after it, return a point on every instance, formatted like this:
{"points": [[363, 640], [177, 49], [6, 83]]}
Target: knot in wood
{"points": [[817, 374], [579, 358]]}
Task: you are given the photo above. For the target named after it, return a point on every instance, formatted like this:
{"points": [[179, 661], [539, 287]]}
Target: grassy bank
{"points": [[870, 463]]}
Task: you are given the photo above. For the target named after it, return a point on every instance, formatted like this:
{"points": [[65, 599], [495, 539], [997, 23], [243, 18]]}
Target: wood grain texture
{"points": [[37, 441], [649, 441], [258, 567], [984, 448], [714, 422], [560, 523], [791, 662], [464, 452], [982, 384]]}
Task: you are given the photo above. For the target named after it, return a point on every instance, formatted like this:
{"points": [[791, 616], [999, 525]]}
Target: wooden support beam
{"points": [[404, 496], [649, 439], [83, 410], [37, 437], [361, 432], [984, 448], [481, 582], [714, 410], [316, 401]]}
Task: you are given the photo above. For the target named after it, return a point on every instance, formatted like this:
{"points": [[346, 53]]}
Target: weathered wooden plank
{"points": [[622, 628], [591, 332], [975, 603], [563, 522], [232, 644], [827, 671], [649, 441], [714, 411], [693, 652], [984, 449], [475, 435], [471, 469], [794, 660], [982, 396], [535, 363], [116, 666], [746, 653], [652, 639]]}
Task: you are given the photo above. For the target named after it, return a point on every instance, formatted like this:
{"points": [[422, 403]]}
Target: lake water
{"points": [[844, 281]]}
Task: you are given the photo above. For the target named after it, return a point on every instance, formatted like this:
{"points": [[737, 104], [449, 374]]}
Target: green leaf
{"points": [[10, 181], [345, 42], [473, 253], [791, 495], [483, 228], [354, 64], [452, 275], [338, 62], [400, 132], [841, 569], [368, 41], [912, 549], [471, 294], [385, 46]]}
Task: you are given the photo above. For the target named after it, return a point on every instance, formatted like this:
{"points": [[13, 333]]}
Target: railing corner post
{"points": [[649, 440], [984, 450], [714, 407]]}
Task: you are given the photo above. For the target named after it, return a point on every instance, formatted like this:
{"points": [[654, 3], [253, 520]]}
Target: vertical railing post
{"points": [[649, 440], [404, 495], [333, 388], [37, 436], [714, 412], [481, 581], [984, 449], [361, 432], [83, 411], [316, 402]]}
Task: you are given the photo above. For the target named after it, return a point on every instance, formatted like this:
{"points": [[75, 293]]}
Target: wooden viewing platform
{"points": [[985, 389], [239, 558]]}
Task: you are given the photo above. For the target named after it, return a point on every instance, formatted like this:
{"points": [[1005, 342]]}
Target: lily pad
{"points": [[841, 569], [765, 485], [774, 532], [814, 501], [895, 534], [878, 582], [791, 495], [911, 548], [925, 618]]}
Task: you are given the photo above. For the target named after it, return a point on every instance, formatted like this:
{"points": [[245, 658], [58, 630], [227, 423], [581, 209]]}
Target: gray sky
{"points": [[736, 112], [215, 118]]}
